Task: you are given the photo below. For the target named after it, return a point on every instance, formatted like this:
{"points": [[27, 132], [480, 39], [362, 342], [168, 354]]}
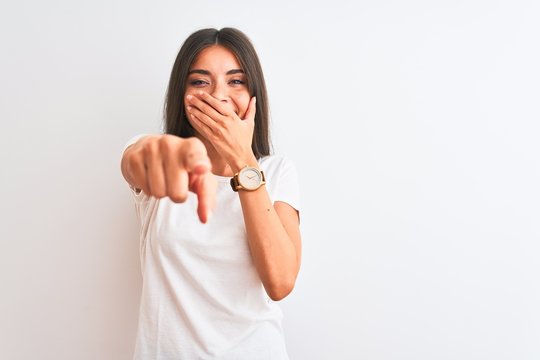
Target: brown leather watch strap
{"points": [[234, 182]]}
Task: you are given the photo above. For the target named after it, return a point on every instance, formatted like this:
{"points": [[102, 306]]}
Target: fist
{"points": [[168, 165]]}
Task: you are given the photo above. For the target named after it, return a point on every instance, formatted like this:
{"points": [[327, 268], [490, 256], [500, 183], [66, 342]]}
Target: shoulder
{"points": [[277, 167], [272, 163], [281, 179]]}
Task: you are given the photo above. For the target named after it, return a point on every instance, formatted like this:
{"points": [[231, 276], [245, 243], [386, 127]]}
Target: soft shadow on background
{"points": [[414, 126]]}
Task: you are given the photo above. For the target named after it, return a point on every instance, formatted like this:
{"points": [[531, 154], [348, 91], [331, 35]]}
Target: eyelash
{"points": [[197, 82], [202, 82]]}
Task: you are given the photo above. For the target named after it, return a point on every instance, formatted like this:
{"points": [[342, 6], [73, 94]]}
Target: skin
{"points": [[222, 112]]}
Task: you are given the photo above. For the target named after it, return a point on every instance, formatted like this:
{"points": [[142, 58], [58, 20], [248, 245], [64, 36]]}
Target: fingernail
{"points": [[189, 97], [189, 108]]}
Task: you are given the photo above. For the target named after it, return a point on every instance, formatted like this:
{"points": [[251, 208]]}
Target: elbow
{"points": [[280, 291]]}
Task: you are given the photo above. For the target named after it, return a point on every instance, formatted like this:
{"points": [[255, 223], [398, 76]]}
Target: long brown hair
{"points": [[176, 122]]}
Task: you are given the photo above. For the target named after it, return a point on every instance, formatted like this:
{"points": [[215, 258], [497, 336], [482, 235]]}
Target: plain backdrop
{"points": [[414, 126]]}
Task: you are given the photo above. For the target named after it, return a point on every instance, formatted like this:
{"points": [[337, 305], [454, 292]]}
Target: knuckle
{"points": [[166, 144], [150, 149], [159, 194], [192, 141], [192, 156], [195, 145], [178, 197], [218, 134], [156, 190], [133, 159]]}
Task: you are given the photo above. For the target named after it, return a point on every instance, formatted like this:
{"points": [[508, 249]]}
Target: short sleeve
{"points": [[287, 188]]}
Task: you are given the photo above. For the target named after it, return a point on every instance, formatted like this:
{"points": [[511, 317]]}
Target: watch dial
{"points": [[250, 178]]}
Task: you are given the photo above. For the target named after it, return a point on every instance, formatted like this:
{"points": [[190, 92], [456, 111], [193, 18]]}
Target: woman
{"points": [[220, 238]]}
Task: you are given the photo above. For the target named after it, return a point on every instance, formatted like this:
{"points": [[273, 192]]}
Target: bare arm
{"points": [[274, 239]]}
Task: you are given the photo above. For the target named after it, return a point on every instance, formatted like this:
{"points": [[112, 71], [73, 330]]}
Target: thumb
{"points": [[250, 113]]}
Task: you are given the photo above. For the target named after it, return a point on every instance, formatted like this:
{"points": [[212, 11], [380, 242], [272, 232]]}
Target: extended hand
{"points": [[167, 165]]}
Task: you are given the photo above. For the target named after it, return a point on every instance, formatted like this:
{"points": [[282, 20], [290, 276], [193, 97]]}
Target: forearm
{"points": [[272, 249]]}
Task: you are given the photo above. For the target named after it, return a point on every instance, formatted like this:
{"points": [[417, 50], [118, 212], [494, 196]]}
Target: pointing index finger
{"points": [[204, 185]]}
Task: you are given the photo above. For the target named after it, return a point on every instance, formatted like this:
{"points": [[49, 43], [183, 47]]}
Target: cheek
{"points": [[242, 102]]}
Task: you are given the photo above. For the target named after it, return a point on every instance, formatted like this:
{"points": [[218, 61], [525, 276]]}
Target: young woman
{"points": [[220, 239]]}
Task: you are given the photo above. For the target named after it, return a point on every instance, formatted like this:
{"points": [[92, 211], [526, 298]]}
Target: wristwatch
{"points": [[249, 178]]}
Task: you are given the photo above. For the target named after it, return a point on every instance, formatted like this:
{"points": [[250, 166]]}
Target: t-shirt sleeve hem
{"points": [[138, 194], [287, 189]]}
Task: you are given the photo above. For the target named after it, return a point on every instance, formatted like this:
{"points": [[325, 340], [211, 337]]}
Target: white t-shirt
{"points": [[202, 297]]}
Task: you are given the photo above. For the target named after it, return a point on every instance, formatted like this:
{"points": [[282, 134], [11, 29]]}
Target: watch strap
{"points": [[234, 182]]}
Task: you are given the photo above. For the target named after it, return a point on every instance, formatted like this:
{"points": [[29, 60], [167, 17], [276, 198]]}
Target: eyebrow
{"points": [[206, 72]]}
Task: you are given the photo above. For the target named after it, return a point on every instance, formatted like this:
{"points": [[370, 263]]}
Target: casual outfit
{"points": [[202, 297]]}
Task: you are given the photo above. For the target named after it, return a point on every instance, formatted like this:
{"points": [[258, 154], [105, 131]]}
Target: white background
{"points": [[414, 126]]}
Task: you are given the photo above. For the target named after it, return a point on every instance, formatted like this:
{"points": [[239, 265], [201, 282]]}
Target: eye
{"points": [[237, 82], [198, 82]]}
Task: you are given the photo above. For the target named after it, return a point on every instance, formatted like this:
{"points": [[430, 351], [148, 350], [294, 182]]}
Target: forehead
{"points": [[216, 59]]}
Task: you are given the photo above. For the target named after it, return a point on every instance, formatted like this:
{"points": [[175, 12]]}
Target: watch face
{"points": [[250, 178]]}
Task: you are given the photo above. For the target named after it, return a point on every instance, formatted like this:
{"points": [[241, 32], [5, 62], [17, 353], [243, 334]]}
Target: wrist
{"points": [[240, 163]]}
